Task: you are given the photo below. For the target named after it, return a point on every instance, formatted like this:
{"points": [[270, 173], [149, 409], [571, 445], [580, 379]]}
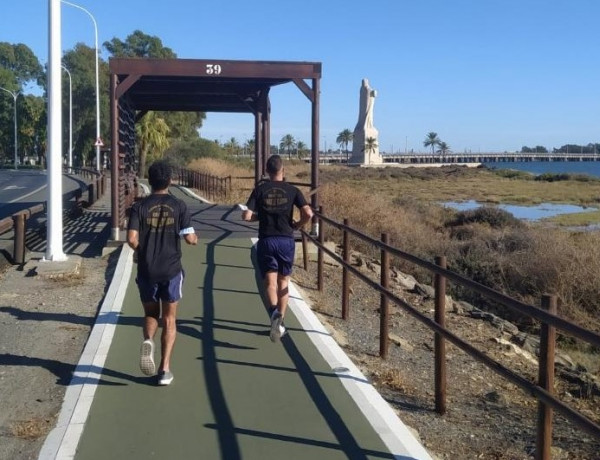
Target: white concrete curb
{"points": [[61, 443]]}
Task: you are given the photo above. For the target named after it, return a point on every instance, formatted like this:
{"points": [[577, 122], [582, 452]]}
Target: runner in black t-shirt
{"points": [[156, 225], [272, 204]]}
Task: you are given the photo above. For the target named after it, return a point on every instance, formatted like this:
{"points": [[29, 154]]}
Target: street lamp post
{"points": [[14, 95], [97, 143], [70, 118]]}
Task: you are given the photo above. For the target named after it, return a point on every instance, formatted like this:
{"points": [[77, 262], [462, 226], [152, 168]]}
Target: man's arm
{"points": [[249, 216], [191, 238], [133, 239], [306, 214]]}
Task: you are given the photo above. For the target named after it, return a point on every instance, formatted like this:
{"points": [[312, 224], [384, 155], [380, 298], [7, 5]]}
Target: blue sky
{"points": [[486, 75]]}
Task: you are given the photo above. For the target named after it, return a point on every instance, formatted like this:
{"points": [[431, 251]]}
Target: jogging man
{"points": [[156, 224], [272, 204]]}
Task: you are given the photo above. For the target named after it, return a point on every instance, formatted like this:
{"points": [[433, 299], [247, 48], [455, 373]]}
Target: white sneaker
{"points": [[277, 327], [165, 378], [147, 357]]}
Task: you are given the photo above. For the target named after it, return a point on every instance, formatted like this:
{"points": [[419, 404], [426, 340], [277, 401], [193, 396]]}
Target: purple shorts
{"points": [[167, 291], [276, 254]]}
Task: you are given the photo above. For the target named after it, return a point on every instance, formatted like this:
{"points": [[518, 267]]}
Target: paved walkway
{"points": [[235, 394]]}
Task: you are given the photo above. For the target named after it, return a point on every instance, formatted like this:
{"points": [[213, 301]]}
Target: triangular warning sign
{"points": [[99, 143]]}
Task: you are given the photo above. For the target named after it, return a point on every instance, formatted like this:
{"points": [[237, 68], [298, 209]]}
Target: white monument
{"points": [[365, 144]]}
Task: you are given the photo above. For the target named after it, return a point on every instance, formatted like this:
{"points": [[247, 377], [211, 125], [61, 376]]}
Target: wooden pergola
{"points": [[199, 85]]}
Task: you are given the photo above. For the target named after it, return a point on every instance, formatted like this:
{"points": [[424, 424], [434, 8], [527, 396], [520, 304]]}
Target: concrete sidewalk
{"points": [[235, 394]]}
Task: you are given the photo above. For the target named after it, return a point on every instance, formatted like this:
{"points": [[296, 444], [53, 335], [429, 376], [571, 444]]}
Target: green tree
{"points": [[370, 145], [301, 149], [21, 61], [182, 125], [152, 139], [443, 148], [232, 146], [432, 140], [288, 143], [139, 45], [81, 62], [343, 139], [18, 67]]}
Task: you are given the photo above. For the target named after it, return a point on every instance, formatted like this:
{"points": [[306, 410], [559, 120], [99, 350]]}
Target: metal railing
{"points": [[543, 391], [72, 201]]}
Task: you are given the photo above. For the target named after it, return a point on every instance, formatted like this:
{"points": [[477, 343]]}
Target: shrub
{"points": [[490, 215]]}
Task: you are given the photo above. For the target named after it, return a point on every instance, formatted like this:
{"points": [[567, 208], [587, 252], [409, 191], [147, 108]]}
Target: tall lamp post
{"points": [[14, 95], [70, 118], [97, 143]]}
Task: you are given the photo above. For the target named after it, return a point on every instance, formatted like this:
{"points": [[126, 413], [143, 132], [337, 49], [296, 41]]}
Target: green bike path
{"points": [[235, 395]]}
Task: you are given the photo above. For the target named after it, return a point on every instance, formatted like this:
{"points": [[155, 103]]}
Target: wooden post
{"points": [[384, 313], [345, 274], [304, 250], [440, 343], [320, 252], [19, 238], [546, 381]]}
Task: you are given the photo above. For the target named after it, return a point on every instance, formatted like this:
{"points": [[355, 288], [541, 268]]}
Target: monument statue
{"points": [[363, 152]]}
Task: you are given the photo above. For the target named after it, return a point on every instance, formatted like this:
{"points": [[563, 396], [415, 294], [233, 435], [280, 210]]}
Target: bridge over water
{"points": [[469, 158]]}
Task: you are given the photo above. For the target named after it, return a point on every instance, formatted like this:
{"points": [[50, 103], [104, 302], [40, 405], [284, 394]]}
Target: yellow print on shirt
{"points": [[160, 216]]}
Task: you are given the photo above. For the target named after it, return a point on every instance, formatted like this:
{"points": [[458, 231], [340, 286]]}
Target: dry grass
{"points": [[30, 429], [522, 261]]}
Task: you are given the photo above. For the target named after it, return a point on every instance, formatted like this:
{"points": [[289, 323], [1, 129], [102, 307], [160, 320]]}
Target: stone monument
{"points": [[363, 151]]}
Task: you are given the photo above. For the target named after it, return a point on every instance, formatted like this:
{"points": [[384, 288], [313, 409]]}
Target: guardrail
{"points": [[212, 186], [18, 221], [543, 391]]}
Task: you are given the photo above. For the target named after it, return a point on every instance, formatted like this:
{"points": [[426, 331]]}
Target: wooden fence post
{"points": [[345, 274], [384, 313], [320, 252], [19, 238], [546, 381], [440, 342]]}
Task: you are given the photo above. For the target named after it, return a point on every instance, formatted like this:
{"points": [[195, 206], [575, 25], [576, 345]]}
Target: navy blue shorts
{"points": [[276, 254], [167, 291]]}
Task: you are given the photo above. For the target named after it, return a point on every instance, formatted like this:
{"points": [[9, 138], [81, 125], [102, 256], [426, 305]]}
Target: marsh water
{"points": [[544, 210]]}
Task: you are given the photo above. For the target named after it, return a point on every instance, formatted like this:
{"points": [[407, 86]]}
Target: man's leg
{"points": [[283, 293], [169, 332], [271, 289], [151, 316]]}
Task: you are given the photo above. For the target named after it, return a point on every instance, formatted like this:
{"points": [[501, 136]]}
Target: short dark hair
{"points": [[159, 175], [274, 164]]}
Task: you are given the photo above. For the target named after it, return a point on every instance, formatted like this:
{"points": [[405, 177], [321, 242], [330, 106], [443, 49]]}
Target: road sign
{"points": [[99, 143]]}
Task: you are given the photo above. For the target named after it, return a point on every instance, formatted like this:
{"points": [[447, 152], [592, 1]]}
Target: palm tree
{"points": [[443, 148], [249, 146], [288, 143], [343, 139], [232, 146], [300, 149], [370, 145], [431, 140], [151, 136]]}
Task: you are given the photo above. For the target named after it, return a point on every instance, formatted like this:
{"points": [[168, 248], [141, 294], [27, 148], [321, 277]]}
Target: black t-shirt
{"points": [[274, 203], [159, 218]]}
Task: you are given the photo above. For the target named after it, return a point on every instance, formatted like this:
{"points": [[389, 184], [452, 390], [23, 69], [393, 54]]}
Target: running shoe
{"points": [[165, 378], [147, 357], [277, 327]]}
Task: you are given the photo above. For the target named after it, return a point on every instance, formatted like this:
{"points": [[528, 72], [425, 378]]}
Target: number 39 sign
{"points": [[213, 69]]}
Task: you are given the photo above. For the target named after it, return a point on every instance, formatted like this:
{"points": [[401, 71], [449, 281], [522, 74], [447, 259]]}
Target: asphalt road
{"points": [[22, 189]]}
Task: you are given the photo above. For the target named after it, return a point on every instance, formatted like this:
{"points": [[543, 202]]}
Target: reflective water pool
{"points": [[537, 212]]}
